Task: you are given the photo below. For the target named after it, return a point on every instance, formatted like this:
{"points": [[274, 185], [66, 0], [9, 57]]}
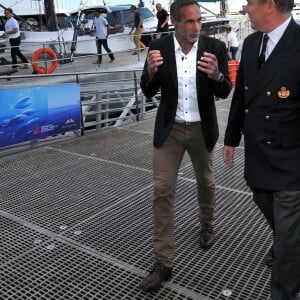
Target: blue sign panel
{"points": [[38, 112]]}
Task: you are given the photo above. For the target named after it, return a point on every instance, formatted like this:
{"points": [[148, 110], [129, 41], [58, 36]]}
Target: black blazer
{"points": [[266, 109], [166, 80]]}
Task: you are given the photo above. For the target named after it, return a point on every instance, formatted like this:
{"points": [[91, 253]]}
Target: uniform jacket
{"points": [[166, 80], [266, 109]]}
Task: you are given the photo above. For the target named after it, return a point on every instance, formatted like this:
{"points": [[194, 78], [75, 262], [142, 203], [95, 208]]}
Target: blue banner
{"points": [[38, 112]]}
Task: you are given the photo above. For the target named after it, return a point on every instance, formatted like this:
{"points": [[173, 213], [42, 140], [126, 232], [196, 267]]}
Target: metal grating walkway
{"points": [[76, 223]]}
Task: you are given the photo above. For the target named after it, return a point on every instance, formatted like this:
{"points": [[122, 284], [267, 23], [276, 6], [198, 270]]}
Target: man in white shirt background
{"points": [[102, 32], [232, 43], [12, 32]]}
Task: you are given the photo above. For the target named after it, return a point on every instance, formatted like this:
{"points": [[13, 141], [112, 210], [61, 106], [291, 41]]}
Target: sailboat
{"points": [[69, 33], [40, 25]]}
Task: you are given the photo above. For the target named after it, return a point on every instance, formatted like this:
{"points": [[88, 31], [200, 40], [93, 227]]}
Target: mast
{"points": [[50, 15], [223, 7]]}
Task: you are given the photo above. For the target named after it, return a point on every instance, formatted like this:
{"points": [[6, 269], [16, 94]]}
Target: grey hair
{"points": [[284, 6]]}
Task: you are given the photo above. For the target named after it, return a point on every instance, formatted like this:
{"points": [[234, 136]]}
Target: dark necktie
{"points": [[262, 55]]}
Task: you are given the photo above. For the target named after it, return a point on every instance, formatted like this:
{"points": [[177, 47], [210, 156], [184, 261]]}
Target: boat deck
{"points": [[124, 60], [77, 223]]}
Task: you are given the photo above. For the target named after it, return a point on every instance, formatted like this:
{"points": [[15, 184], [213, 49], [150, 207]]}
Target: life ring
{"points": [[35, 61]]}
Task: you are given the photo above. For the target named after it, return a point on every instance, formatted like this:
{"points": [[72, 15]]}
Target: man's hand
{"points": [[228, 155], [208, 64], [154, 60]]}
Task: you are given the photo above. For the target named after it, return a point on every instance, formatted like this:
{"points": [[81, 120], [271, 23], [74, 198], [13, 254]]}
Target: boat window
{"points": [[89, 16], [145, 12], [117, 19], [120, 18], [28, 24], [128, 18]]}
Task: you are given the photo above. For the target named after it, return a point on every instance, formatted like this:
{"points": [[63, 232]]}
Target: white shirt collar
{"points": [[277, 33], [177, 46]]}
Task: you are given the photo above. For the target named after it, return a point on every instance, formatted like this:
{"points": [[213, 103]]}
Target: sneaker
{"points": [[25, 66]]}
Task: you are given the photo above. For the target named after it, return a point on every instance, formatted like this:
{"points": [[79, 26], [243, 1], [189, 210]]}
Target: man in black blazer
{"points": [[266, 109], [189, 70]]}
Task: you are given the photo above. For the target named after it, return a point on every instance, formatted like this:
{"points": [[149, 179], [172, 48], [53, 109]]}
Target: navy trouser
{"points": [[15, 52], [282, 211], [100, 43]]}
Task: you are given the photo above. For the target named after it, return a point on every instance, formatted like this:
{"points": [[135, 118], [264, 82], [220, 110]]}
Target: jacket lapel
{"points": [[257, 80], [170, 60], [200, 50]]}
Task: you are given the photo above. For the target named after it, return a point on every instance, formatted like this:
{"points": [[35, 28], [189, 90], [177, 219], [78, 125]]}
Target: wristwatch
{"points": [[220, 77]]}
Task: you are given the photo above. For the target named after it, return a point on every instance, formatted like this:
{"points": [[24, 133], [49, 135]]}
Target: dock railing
{"points": [[108, 99]]}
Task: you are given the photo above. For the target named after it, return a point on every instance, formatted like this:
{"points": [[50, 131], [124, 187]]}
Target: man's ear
{"points": [[173, 21]]}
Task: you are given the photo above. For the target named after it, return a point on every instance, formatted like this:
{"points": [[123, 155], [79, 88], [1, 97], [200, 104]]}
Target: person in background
{"points": [[138, 26], [102, 32], [12, 32], [232, 43], [163, 20], [265, 108], [141, 4], [190, 70]]}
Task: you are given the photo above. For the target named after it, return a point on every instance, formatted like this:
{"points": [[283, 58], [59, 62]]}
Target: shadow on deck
{"points": [[76, 223]]}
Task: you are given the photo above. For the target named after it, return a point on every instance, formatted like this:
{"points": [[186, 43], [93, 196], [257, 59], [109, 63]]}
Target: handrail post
{"points": [[136, 95]]}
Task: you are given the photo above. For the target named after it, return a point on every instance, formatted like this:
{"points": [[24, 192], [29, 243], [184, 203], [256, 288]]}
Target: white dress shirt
{"points": [[187, 109]]}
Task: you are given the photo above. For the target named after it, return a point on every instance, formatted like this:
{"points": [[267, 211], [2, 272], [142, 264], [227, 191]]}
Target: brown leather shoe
{"points": [[157, 275], [207, 236]]}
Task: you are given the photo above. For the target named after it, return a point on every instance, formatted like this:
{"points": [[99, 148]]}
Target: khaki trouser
{"points": [[137, 35], [166, 163]]}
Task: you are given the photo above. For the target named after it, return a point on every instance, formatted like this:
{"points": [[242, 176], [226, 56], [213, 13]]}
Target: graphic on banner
{"points": [[35, 113]]}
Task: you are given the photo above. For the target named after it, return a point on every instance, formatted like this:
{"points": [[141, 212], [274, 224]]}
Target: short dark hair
{"points": [[284, 6], [133, 7], [177, 4], [9, 10]]}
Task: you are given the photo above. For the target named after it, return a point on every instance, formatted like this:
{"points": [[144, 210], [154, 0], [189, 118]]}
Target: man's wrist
{"points": [[219, 77]]}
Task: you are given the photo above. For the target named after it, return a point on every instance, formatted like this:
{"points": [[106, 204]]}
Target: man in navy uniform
{"points": [[266, 109]]}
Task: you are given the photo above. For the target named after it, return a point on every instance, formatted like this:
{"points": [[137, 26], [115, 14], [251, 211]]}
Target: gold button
{"points": [[269, 142], [268, 93], [246, 88], [267, 117], [246, 110]]}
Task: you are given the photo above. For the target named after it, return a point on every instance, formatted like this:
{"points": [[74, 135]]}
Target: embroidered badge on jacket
{"points": [[283, 93]]}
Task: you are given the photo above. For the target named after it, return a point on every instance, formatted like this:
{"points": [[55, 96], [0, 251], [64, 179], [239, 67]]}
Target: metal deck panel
{"points": [[77, 224]]}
